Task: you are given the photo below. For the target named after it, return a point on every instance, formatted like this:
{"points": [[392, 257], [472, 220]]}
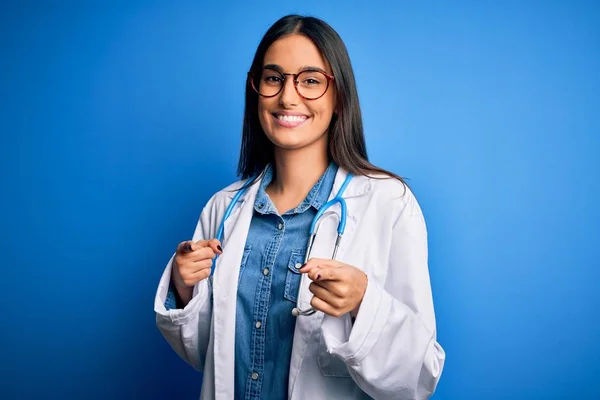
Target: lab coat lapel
{"points": [[224, 283], [323, 248]]}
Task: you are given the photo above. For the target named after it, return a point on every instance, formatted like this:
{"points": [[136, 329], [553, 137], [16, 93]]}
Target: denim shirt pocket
{"points": [[292, 280], [247, 250]]}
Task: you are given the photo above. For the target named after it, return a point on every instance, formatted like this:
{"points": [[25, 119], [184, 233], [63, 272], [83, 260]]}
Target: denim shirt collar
{"points": [[317, 196]]}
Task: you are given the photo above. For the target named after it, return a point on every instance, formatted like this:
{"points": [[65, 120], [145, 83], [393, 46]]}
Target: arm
{"points": [[391, 350], [186, 329]]}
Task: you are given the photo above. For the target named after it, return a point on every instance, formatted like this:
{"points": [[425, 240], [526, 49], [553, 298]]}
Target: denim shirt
{"points": [[268, 285], [268, 289]]}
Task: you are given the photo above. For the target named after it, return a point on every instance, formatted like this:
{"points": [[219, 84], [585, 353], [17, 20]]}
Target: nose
{"points": [[289, 96]]}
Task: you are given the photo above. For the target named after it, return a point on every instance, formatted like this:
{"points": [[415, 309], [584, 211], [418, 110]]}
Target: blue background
{"points": [[119, 121]]}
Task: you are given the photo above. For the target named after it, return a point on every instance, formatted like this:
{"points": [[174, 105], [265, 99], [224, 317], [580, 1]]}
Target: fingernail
{"points": [[219, 248]]}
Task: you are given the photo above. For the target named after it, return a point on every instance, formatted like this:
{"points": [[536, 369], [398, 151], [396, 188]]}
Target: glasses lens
{"points": [[312, 84], [269, 83]]}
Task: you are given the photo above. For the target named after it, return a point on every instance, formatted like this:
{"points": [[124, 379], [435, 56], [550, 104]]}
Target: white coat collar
{"points": [[357, 187]]}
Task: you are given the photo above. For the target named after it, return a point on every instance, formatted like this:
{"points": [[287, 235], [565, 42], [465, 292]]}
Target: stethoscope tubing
{"points": [[321, 215]]}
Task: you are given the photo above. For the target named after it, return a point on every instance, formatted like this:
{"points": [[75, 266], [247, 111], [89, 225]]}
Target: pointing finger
{"points": [[189, 246], [317, 263], [215, 245], [324, 274]]}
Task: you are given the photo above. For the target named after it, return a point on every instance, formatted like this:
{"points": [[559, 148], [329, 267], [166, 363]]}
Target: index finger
{"points": [[214, 244], [190, 246], [321, 269], [328, 273], [317, 263]]}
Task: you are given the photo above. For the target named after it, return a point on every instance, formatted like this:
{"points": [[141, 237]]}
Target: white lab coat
{"points": [[390, 352]]}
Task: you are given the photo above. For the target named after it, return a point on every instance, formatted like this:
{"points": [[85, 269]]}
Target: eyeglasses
{"points": [[310, 84]]}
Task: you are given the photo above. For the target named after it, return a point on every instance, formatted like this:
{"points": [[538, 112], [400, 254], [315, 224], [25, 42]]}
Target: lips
{"points": [[289, 120]]}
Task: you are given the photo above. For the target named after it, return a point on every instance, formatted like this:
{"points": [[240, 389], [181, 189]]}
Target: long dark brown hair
{"points": [[346, 138]]}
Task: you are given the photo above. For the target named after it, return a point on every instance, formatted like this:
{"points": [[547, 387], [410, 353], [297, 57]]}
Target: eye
{"points": [[311, 81], [311, 78], [272, 79]]}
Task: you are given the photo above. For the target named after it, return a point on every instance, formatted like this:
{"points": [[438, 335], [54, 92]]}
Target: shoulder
{"points": [[229, 191], [392, 193], [225, 195]]}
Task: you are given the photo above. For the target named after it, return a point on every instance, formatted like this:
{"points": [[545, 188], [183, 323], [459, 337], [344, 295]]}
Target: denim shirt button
{"points": [[298, 265], [254, 376], [266, 271], [280, 226], [258, 324]]}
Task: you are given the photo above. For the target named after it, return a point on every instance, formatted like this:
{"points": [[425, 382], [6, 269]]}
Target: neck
{"points": [[297, 172]]}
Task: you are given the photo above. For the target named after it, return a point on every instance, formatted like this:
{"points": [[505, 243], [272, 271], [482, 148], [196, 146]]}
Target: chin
{"points": [[287, 143], [284, 140]]}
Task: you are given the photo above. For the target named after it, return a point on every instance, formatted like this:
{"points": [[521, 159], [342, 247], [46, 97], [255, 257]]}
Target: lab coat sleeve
{"points": [[171, 299], [187, 330], [391, 350]]}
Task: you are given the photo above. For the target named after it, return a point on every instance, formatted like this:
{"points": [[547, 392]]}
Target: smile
{"points": [[289, 121]]}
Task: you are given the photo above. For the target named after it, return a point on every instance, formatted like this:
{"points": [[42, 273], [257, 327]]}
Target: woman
{"points": [[373, 334]]}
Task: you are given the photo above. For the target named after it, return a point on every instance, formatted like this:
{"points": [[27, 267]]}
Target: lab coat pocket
{"points": [[292, 280], [247, 250], [330, 365]]}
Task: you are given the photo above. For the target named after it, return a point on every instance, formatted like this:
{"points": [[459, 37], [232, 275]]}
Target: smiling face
{"points": [[290, 121]]}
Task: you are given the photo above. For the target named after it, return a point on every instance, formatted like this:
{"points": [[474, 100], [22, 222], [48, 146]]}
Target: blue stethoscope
{"points": [[314, 228]]}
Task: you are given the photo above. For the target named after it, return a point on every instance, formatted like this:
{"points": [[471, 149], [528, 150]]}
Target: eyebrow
{"points": [[302, 69]]}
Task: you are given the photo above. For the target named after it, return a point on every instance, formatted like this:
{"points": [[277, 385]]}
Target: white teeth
{"points": [[291, 118]]}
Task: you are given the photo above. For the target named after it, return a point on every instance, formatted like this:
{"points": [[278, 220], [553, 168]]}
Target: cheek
{"points": [[324, 112], [262, 113], [266, 104], [326, 106]]}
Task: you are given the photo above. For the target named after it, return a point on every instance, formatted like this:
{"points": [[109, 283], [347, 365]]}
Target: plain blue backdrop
{"points": [[119, 121]]}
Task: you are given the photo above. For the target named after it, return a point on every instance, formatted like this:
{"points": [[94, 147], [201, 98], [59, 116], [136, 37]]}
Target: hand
{"points": [[338, 288], [193, 262]]}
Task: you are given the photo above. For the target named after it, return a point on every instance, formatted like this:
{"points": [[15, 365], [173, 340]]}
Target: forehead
{"points": [[295, 52]]}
